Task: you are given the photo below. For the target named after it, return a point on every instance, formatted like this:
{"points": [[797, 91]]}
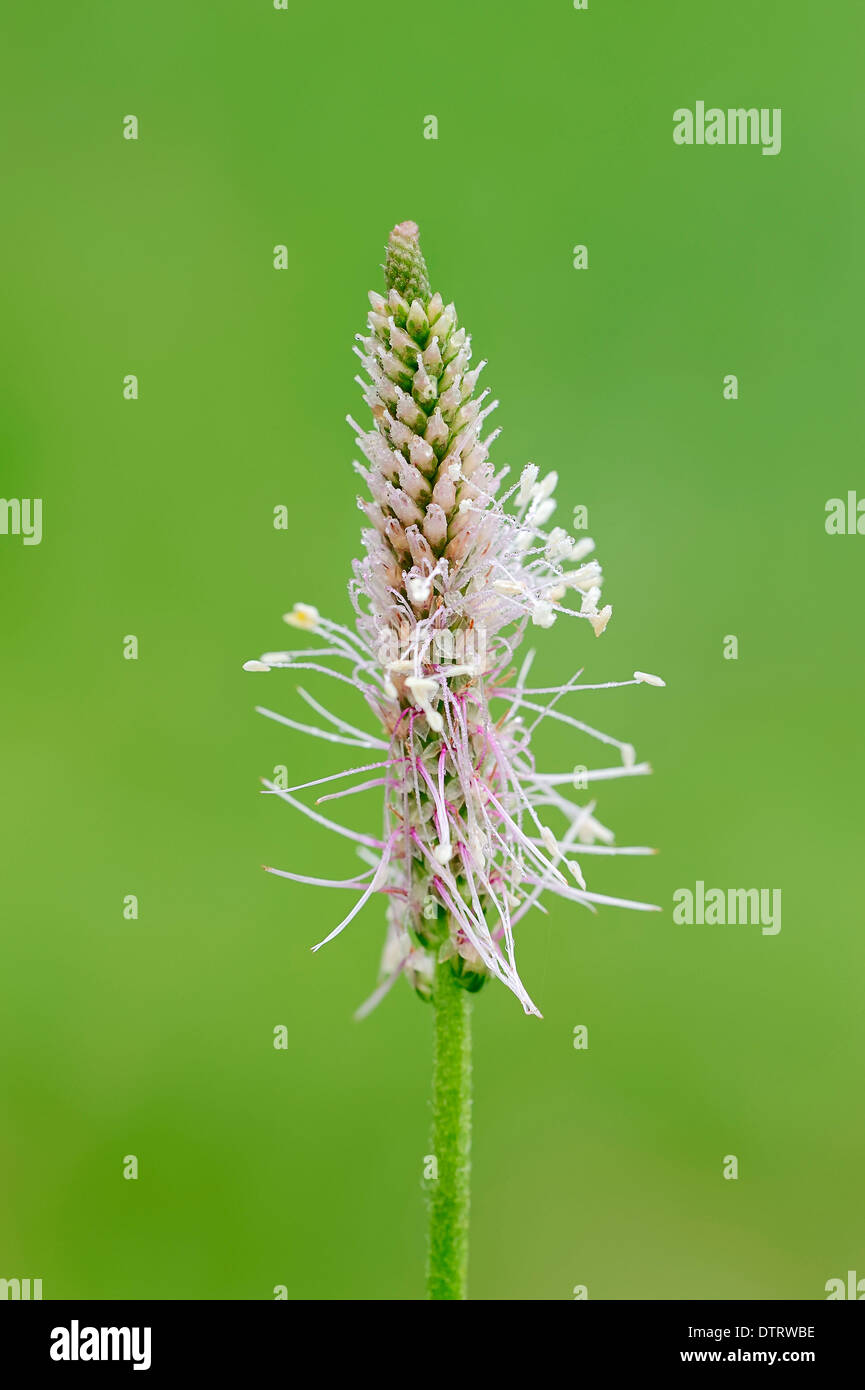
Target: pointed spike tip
{"points": [[405, 268]]}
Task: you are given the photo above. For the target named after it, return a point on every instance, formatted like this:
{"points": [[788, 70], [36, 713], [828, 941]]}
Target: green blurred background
{"points": [[154, 1037]]}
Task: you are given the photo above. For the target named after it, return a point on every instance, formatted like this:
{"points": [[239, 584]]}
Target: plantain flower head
{"points": [[459, 562]]}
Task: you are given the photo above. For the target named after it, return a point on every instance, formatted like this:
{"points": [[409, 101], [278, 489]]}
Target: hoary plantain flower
{"points": [[458, 564]]}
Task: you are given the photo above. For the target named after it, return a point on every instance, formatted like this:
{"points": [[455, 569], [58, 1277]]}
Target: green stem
{"points": [[447, 1267]]}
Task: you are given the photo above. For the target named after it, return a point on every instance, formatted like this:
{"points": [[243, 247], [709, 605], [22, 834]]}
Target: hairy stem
{"points": [[447, 1268]]}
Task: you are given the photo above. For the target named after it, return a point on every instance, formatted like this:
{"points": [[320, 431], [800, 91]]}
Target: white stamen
{"points": [[421, 690], [303, 616], [585, 577], [419, 587], [577, 872], [549, 840], [559, 545], [600, 621], [646, 679], [545, 487], [543, 614], [581, 549], [540, 512], [589, 602], [528, 478], [591, 830]]}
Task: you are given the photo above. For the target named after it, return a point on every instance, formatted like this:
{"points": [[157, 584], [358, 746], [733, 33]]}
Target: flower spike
{"points": [[453, 573]]}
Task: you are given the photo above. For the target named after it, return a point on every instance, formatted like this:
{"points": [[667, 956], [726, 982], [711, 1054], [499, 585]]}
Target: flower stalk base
{"points": [[447, 1269]]}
